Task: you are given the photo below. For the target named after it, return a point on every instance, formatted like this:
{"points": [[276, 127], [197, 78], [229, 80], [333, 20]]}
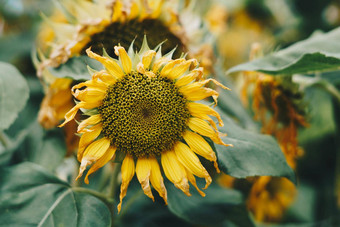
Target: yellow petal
{"points": [[105, 77], [174, 171], [124, 58], [192, 180], [202, 127], [159, 64], [94, 83], [108, 155], [194, 74], [157, 179], [92, 153], [147, 58], [181, 68], [90, 95], [93, 120], [72, 113], [112, 67], [199, 108], [191, 162], [143, 171], [117, 11], [169, 66], [199, 93], [88, 137], [201, 147], [128, 170]]}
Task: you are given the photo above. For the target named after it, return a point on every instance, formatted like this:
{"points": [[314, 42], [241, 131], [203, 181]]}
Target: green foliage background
{"points": [[37, 184]]}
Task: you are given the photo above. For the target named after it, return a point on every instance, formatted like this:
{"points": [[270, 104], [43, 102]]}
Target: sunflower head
{"points": [[144, 106]]}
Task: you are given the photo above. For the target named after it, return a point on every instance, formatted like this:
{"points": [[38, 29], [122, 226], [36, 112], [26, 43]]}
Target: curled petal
{"points": [[191, 162], [174, 171], [72, 113], [194, 74], [167, 69], [143, 171], [202, 127], [108, 155], [88, 137], [93, 120], [112, 67], [128, 170], [157, 179], [124, 59], [201, 109], [192, 180], [147, 58], [201, 147]]}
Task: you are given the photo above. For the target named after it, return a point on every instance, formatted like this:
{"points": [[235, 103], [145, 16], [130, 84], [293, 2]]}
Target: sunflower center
{"points": [[124, 33], [144, 116]]}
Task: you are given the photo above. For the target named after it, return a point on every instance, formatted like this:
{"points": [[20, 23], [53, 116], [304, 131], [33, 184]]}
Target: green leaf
{"points": [[320, 52], [253, 154], [218, 205], [76, 68], [13, 94], [30, 196]]}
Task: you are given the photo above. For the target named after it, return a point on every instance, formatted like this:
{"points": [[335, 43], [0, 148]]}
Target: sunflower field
{"points": [[170, 113]]}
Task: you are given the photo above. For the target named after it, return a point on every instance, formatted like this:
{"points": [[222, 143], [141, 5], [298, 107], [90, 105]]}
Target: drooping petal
{"points": [[72, 113], [191, 162], [93, 120], [194, 74], [112, 67], [197, 109], [157, 179], [201, 147], [92, 153], [143, 171], [192, 180], [108, 155], [202, 127], [86, 138], [174, 171], [124, 59], [127, 170]]}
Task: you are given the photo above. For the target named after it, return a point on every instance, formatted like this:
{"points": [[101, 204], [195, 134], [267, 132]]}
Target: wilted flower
{"points": [[143, 105]]}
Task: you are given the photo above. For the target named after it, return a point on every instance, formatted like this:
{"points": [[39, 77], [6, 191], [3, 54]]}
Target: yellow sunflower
{"points": [[79, 24], [144, 105]]}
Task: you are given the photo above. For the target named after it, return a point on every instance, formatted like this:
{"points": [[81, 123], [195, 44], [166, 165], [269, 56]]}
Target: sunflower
{"points": [[78, 24], [144, 106]]}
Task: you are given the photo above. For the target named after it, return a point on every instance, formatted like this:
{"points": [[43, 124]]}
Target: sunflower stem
{"points": [[3, 139]]}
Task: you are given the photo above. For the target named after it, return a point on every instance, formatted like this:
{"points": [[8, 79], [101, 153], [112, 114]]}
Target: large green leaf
{"points": [[76, 68], [30, 196], [320, 52], [218, 205], [253, 154], [13, 94]]}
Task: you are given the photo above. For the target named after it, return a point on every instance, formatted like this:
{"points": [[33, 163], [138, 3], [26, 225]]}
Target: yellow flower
{"points": [[104, 24], [144, 105]]}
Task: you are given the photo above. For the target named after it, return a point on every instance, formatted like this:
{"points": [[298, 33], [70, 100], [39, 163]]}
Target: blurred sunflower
{"points": [[278, 104], [143, 105], [79, 24]]}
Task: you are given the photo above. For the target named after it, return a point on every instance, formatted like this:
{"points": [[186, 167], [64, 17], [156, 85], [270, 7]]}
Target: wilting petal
{"points": [[112, 67], [174, 171], [199, 109], [108, 155], [124, 59], [147, 58], [157, 179], [105, 77], [93, 120], [192, 180], [201, 147], [88, 137], [202, 127], [72, 113], [143, 171], [127, 170], [92, 153], [191, 162], [194, 74]]}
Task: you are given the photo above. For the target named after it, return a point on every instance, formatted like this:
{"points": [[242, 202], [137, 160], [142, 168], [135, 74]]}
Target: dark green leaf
{"points": [[14, 93], [320, 52], [76, 68], [30, 196], [253, 154], [218, 205]]}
